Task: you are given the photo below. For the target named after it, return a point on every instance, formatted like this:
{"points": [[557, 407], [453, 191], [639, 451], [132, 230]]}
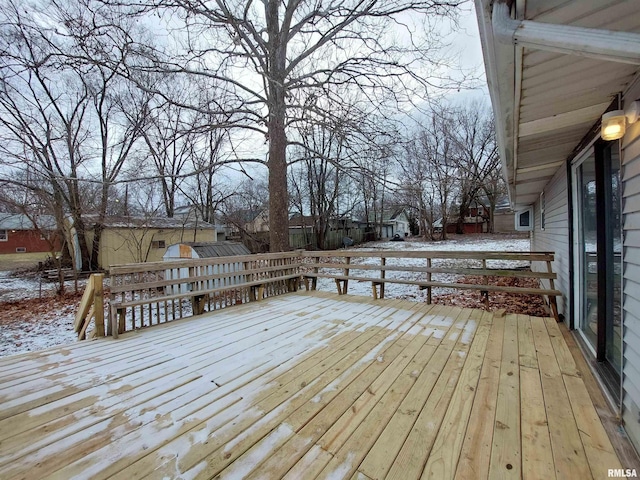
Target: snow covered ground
{"points": [[55, 327], [33, 318], [32, 323]]}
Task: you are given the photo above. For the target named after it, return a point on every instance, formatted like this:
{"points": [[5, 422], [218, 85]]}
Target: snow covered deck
{"points": [[307, 385]]}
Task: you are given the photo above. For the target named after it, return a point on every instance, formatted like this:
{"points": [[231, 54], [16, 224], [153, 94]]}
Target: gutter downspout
{"points": [[608, 45]]}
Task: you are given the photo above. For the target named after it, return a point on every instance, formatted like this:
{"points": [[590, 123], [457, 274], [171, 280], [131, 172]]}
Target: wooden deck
{"points": [[307, 385]]}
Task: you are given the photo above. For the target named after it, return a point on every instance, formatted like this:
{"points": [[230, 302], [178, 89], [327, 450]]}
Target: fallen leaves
{"points": [[532, 305]]}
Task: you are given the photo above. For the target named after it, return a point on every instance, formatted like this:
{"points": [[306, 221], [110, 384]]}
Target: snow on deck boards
{"points": [[306, 385]]}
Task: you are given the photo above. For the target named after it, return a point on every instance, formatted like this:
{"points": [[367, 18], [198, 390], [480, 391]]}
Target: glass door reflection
{"points": [[587, 233]]}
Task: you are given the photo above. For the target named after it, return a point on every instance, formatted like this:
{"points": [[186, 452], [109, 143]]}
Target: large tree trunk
{"points": [[85, 255], [278, 193]]}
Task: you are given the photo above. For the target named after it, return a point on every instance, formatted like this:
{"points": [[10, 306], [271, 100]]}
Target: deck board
{"points": [[307, 385], [506, 452]]}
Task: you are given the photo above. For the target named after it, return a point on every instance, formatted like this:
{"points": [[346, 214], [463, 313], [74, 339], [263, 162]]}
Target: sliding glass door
{"points": [[597, 251], [586, 249]]}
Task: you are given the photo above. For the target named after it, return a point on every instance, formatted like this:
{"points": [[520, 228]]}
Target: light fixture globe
{"points": [[613, 125]]}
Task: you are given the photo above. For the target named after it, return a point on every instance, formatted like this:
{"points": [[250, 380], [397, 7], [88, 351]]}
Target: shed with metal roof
{"points": [[205, 250], [191, 250]]}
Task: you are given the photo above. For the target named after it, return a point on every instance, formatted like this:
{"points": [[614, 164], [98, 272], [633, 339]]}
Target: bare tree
{"points": [[271, 57], [208, 189], [171, 143], [43, 106], [493, 188], [431, 172], [69, 120], [246, 211], [476, 156], [322, 168]]}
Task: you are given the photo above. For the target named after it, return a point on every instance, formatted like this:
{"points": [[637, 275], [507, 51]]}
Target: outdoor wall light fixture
{"points": [[614, 123]]}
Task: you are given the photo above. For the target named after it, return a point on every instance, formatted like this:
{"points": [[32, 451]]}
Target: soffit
{"points": [[558, 98]]}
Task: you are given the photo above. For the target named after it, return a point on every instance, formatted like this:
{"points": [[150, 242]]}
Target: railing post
{"points": [[112, 326], [346, 274], [98, 303], [314, 280], [552, 300], [122, 317], [485, 293]]}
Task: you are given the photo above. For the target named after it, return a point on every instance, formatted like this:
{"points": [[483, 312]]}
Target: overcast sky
{"points": [[466, 45], [467, 42]]}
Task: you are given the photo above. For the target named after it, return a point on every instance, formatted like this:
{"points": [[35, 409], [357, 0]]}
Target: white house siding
{"points": [[631, 275], [555, 236]]}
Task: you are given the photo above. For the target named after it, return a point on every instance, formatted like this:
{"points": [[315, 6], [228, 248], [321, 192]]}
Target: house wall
{"points": [[468, 228], [130, 245], [555, 236], [504, 223], [258, 224], [401, 224], [631, 274], [28, 239]]}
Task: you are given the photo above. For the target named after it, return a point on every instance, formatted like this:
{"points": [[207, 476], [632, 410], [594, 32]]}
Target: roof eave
{"points": [[499, 60]]}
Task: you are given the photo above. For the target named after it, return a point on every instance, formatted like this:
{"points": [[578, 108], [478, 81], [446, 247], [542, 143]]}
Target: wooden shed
{"points": [[137, 239]]}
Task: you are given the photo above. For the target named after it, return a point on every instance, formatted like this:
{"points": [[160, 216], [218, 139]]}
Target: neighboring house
{"points": [[19, 235], [393, 222], [340, 231], [553, 69], [249, 220], [475, 222], [139, 239]]}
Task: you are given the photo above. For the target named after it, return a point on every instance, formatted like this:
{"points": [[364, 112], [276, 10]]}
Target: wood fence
{"points": [[147, 294]]}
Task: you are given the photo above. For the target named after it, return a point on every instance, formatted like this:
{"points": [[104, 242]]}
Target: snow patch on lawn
{"points": [[47, 331]]}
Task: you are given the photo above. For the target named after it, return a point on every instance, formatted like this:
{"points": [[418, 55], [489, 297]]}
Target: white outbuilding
{"points": [[203, 250]]}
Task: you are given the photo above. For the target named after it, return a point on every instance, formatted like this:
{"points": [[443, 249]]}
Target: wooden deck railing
{"points": [[355, 265], [91, 306], [144, 294], [150, 293]]}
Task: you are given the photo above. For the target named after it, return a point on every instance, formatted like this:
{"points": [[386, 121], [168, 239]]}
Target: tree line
{"points": [[123, 107]]}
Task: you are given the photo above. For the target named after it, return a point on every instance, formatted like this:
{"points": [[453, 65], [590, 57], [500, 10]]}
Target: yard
{"points": [[35, 319]]}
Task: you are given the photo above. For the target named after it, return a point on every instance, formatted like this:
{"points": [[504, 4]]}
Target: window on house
{"points": [[542, 211], [21, 250], [524, 220], [158, 244], [4, 235]]}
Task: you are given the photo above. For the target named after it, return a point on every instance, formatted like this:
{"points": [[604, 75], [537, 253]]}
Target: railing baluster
{"points": [[383, 271], [429, 280]]}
